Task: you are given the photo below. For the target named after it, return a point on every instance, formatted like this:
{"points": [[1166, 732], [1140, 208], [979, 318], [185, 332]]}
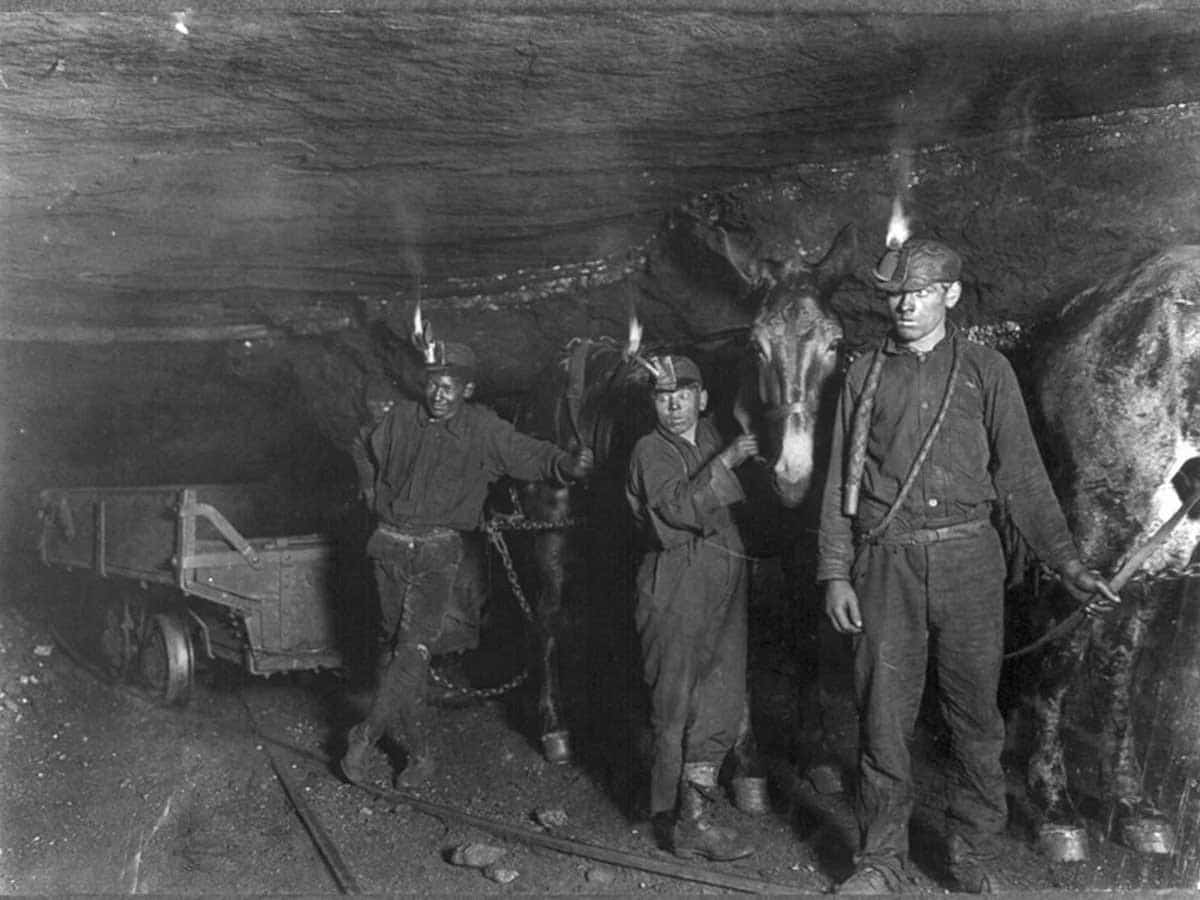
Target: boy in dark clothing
{"points": [[691, 607]]}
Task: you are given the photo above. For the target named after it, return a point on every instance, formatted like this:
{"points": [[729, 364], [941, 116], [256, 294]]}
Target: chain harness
{"points": [[497, 524], [495, 528]]}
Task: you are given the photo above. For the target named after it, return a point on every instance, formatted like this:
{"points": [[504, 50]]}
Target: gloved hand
{"points": [[1088, 586], [581, 465], [742, 448]]}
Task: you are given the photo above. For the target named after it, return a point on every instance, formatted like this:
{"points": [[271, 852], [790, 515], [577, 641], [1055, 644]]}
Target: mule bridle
{"points": [[783, 410]]}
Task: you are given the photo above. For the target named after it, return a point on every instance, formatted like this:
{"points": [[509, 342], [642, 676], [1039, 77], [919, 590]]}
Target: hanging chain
{"points": [[497, 538], [495, 527], [477, 693], [520, 522]]}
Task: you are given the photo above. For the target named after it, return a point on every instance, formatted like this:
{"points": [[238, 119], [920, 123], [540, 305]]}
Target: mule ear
{"points": [[754, 271], [842, 260]]}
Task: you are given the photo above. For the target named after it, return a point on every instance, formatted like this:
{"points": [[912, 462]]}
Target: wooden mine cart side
{"points": [[183, 577]]}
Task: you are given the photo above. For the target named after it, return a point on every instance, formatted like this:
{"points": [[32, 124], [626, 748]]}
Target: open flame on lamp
{"points": [[898, 231], [660, 368], [633, 344], [422, 336]]}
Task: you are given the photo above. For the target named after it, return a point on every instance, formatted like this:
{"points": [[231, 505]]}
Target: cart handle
{"points": [[223, 525]]}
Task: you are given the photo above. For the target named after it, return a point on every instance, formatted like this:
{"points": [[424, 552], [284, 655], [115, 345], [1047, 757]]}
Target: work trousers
{"points": [[416, 574], [691, 620], [943, 600]]}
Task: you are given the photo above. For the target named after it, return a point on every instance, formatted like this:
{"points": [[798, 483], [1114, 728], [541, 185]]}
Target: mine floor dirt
{"points": [[107, 791]]}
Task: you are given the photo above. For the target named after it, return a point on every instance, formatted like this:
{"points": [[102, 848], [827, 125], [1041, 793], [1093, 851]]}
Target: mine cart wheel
{"points": [[166, 659]]}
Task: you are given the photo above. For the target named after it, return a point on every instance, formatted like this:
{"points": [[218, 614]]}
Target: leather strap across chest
{"points": [[862, 424]]}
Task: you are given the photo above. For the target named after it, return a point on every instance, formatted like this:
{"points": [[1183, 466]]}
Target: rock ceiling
{"points": [[189, 170]]}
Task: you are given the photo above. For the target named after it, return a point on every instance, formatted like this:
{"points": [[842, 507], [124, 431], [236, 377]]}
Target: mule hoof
{"points": [[556, 746], [1146, 834], [1063, 843]]}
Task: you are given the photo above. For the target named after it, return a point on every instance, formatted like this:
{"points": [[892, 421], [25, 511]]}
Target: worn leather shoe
{"points": [[972, 870], [416, 772], [354, 763], [973, 876], [869, 878], [704, 840]]}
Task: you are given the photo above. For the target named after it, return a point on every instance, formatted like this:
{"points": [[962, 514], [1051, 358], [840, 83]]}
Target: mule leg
{"points": [[550, 552], [1135, 821], [829, 720], [1060, 831]]}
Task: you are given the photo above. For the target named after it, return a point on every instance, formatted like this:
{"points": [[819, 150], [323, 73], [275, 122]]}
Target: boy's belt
{"points": [[936, 535], [415, 534]]}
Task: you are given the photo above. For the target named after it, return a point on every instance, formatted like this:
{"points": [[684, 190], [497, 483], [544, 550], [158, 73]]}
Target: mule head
{"points": [[797, 340]]}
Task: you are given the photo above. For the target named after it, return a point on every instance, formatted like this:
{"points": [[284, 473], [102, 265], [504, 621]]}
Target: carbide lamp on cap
{"points": [[449, 358], [916, 265], [672, 372]]}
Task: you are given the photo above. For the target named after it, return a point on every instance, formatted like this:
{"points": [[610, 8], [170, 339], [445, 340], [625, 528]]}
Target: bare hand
{"points": [[582, 464], [742, 448], [841, 606], [1088, 585]]}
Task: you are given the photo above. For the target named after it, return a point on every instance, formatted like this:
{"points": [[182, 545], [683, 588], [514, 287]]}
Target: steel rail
{"points": [[326, 847]]}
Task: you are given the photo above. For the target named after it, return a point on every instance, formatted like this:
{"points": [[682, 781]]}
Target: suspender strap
{"points": [[923, 453], [858, 436]]}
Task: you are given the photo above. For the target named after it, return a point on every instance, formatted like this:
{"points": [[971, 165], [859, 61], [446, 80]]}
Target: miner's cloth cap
{"points": [[916, 265], [675, 372], [452, 359]]}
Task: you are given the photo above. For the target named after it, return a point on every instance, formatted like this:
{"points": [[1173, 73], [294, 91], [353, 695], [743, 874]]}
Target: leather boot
{"points": [[695, 836], [409, 728], [972, 867], [418, 759], [358, 744]]}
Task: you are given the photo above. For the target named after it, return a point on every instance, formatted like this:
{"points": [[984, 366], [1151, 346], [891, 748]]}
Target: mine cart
{"points": [[170, 575]]}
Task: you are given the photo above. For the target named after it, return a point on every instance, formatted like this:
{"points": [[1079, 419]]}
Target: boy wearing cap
{"points": [[931, 435], [434, 461], [691, 607]]}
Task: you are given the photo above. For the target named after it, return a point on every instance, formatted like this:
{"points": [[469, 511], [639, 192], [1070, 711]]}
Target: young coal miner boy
{"points": [[434, 461], [691, 607], [931, 433]]}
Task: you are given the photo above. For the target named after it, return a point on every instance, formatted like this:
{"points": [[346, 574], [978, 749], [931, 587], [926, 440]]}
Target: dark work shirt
{"points": [[985, 452], [437, 473], [680, 492]]}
